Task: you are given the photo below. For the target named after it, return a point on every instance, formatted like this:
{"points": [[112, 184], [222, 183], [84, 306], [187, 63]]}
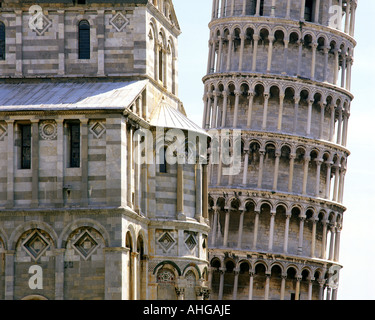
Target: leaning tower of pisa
{"points": [[278, 90]]}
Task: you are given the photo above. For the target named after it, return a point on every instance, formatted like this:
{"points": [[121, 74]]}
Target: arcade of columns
{"points": [[282, 79]]}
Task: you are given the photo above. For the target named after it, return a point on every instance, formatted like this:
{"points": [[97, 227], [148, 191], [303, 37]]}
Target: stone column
{"points": [[339, 127], [332, 243], [204, 191], [272, 226], [324, 240], [321, 289], [100, 30], [256, 225], [300, 237], [84, 163], [251, 285], [299, 61], [298, 287], [343, 70], [309, 292], [328, 179], [261, 163], [10, 164], [286, 236], [225, 105], [221, 285], [313, 63], [237, 100], [296, 107], [270, 50], [332, 124], [267, 287], [19, 42], [319, 163], [229, 57], [226, 228], [180, 190], [352, 18], [276, 172], [291, 172], [325, 68], [214, 227], [281, 109], [317, 7], [235, 287], [309, 115], [322, 112], [250, 109], [245, 167], [305, 174], [243, 39], [61, 41], [288, 10], [265, 111], [208, 114], [214, 112], [313, 238], [336, 257], [129, 167], [302, 10], [282, 287], [257, 9], [219, 55], [255, 50], [240, 228], [198, 191], [336, 68]]}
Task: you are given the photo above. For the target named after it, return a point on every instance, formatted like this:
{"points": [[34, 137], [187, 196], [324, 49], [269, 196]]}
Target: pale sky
{"points": [[357, 252]]}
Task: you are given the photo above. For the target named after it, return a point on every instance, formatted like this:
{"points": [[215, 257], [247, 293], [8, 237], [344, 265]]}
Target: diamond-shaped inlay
{"points": [[97, 129], [39, 23], [85, 245], [190, 242], [166, 241], [3, 131], [35, 245], [119, 21]]}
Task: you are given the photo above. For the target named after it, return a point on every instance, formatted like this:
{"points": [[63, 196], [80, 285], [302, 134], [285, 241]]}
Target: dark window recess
{"points": [[75, 145], [161, 65], [2, 41], [163, 161], [309, 10], [26, 147], [84, 40], [261, 7]]}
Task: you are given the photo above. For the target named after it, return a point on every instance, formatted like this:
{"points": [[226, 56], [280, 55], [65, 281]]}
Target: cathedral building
{"points": [[277, 90], [89, 113]]}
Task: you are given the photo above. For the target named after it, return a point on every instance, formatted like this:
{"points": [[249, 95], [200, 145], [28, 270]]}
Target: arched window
{"points": [[2, 41], [84, 40]]}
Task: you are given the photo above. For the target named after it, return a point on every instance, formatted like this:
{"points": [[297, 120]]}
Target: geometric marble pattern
{"points": [[85, 245], [35, 245]]}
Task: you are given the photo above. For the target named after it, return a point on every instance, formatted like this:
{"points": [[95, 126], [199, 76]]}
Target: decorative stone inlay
{"points": [[166, 276], [166, 241], [85, 245], [97, 129], [3, 131], [191, 242], [119, 22], [48, 130], [35, 245], [39, 22]]}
